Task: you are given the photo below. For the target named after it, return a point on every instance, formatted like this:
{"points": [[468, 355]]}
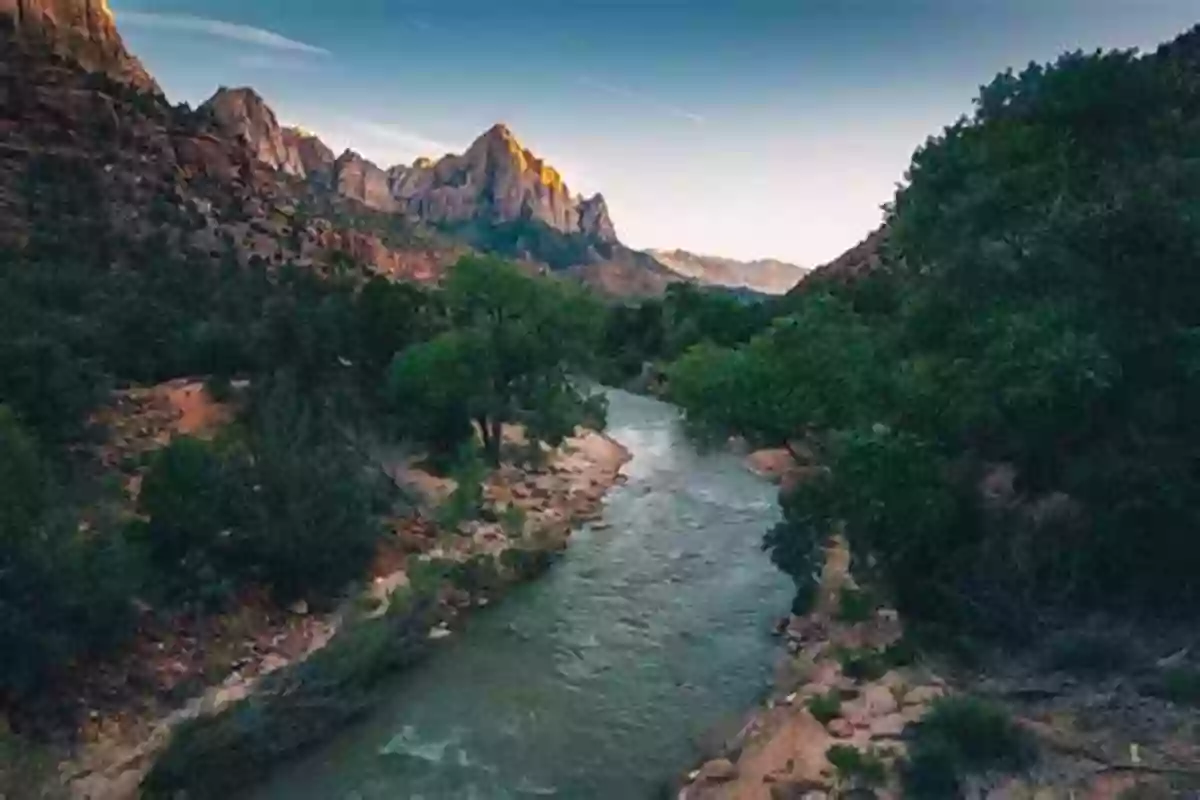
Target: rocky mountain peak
{"points": [[241, 112], [315, 157], [498, 148], [362, 180], [83, 31]]}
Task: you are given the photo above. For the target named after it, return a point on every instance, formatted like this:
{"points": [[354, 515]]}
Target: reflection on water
{"points": [[593, 681]]}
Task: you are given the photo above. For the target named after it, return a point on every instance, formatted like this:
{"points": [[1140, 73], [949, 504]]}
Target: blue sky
{"points": [[743, 128]]}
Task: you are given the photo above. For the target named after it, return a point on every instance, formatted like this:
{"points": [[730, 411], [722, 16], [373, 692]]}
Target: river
{"points": [[596, 680]]}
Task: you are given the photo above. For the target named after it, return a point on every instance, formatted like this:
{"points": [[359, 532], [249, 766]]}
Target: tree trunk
{"points": [[490, 432], [497, 441]]}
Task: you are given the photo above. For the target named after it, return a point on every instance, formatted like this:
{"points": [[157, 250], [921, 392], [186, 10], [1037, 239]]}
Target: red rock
{"points": [[81, 30]]}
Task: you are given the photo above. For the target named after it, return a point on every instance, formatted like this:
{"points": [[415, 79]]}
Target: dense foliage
{"points": [[509, 356], [660, 330], [1007, 410], [287, 498]]}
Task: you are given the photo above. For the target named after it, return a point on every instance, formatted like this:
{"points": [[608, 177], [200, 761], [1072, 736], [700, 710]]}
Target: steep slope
{"points": [[91, 152], [498, 180], [359, 179], [316, 159], [84, 122], [242, 112], [82, 31], [497, 196], [766, 275], [856, 263]]}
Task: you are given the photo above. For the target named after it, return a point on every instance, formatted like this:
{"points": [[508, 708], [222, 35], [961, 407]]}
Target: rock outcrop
{"points": [[242, 112], [359, 179], [82, 31], [316, 159], [498, 180]]}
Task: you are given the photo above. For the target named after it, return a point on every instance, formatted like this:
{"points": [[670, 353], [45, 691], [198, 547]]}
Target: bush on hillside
{"points": [[65, 590], [961, 736], [288, 506]]}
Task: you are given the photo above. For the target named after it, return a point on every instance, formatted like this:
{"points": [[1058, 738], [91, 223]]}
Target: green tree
{"points": [[818, 369], [509, 357]]}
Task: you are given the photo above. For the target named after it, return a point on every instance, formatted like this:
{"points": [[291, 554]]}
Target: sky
{"points": [[742, 128]]}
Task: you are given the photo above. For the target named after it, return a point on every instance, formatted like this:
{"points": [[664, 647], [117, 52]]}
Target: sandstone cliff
{"points": [[242, 112], [498, 180], [82, 31], [316, 159], [229, 179], [359, 179]]}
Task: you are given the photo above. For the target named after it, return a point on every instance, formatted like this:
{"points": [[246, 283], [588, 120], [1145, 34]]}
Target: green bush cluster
{"points": [[64, 587], [962, 736], [286, 505]]}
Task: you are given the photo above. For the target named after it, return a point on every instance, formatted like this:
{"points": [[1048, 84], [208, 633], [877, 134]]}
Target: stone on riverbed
{"points": [[719, 770]]}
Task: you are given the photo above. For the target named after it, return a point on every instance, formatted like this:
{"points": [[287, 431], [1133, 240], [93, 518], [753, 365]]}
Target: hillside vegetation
{"points": [[285, 500], [1003, 411]]}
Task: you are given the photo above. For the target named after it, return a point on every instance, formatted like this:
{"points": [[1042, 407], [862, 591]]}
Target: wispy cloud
{"points": [[269, 61], [215, 27], [644, 99], [403, 140]]}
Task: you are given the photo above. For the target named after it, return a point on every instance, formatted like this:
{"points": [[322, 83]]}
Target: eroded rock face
{"points": [[497, 180], [82, 30], [359, 179], [242, 112], [316, 159]]}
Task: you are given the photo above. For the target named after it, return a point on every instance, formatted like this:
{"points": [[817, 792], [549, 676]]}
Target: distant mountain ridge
{"points": [[228, 180], [496, 180], [766, 275]]}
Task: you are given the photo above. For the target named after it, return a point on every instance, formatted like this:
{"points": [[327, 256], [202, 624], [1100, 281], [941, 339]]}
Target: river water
{"points": [[596, 680]]}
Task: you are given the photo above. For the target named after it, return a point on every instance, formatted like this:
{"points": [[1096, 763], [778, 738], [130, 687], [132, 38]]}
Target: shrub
{"points": [[863, 665], [289, 507], [315, 526], [1179, 685], [196, 499], [466, 501], [855, 605], [855, 768], [961, 736], [825, 707], [1089, 652], [64, 593]]}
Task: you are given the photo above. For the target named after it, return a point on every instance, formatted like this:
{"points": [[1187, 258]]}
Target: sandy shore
{"points": [[568, 489]]}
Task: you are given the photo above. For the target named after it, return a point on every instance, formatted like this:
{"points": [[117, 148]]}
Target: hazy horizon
{"points": [[769, 130]]}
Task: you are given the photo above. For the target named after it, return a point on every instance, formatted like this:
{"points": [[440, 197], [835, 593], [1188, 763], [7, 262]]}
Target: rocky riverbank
{"points": [[1101, 710], [841, 684], [527, 512]]}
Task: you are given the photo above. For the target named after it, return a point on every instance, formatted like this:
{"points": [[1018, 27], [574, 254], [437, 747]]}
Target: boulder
{"points": [[878, 700], [840, 728], [719, 770], [888, 727], [923, 695]]}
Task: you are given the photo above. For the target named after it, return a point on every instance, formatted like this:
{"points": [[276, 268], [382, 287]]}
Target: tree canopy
{"points": [[1038, 316], [514, 345]]}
